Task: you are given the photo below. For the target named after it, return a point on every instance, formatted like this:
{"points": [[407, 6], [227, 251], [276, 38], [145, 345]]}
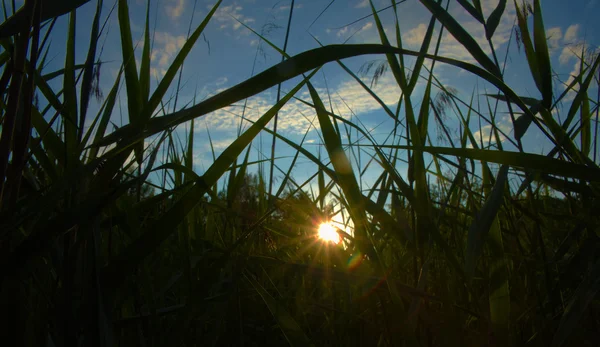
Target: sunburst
{"points": [[329, 233]]}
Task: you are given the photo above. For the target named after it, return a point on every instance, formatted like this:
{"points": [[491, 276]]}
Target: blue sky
{"points": [[226, 55]]}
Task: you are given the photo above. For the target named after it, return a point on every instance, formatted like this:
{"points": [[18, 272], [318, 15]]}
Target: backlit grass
{"points": [[106, 241]]}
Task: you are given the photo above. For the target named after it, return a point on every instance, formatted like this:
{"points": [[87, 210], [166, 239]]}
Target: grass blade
{"points": [[134, 102], [106, 113], [530, 161], [164, 84], [344, 173], [88, 72], [586, 127], [292, 67], [475, 12], [542, 54], [480, 227], [290, 328], [462, 36], [145, 64], [499, 297], [414, 78], [22, 18], [586, 292], [160, 230], [70, 95], [582, 94], [525, 38], [494, 19]]}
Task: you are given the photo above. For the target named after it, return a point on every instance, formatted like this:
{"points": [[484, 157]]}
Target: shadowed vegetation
{"points": [[109, 237]]}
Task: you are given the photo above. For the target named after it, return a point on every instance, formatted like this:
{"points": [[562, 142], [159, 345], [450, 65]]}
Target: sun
{"points": [[327, 232]]}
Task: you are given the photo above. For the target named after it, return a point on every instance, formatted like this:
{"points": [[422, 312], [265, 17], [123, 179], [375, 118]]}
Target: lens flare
{"points": [[327, 232], [355, 260]]}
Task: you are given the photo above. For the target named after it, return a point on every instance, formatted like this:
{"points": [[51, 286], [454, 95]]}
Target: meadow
{"points": [[111, 236]]}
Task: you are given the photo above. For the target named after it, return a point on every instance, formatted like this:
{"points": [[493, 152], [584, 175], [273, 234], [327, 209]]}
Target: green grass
{"points": [[475, 246]]}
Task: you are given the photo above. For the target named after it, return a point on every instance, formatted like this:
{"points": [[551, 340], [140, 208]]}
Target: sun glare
{"points": [[327, 232]]}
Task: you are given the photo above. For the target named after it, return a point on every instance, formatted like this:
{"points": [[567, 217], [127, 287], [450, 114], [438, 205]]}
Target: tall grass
{"points": [[475, 245]]}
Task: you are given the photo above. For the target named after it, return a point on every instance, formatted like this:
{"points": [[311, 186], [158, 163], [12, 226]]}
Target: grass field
{"points": [[107, 241]]}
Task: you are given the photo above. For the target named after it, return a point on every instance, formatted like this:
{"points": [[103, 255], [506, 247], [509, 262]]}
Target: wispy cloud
{"points": [[573, 45], [218, 144], [362, 33], [572, 33], [342, 32], [367, 26], [290, 116], [572, 92], [450, 47], [575, 49], [166, 47], [414, 37], [226, 17], [486, 134], [554, 37], [287, 7], [348, 98], [362, 4], [221, 81], [174, 8]]}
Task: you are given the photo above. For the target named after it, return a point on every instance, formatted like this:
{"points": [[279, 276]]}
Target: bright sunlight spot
{"points": [[327, 232]]}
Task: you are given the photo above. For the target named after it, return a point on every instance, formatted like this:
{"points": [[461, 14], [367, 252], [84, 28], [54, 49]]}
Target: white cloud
{"points": [[573, 51], [362, 4], [453, 49], [450, 47], [357, 34], [554, 35], [571, 33], [226, 17], [486, 133], [576, 51], [219, 144], [351, 95], [287, 7], [175, 9], [572, 92], [342, 32], [166, 47], [415, 36], [566, 55], [221, 81], [348, 98], [367, 26], [573, 45]]}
